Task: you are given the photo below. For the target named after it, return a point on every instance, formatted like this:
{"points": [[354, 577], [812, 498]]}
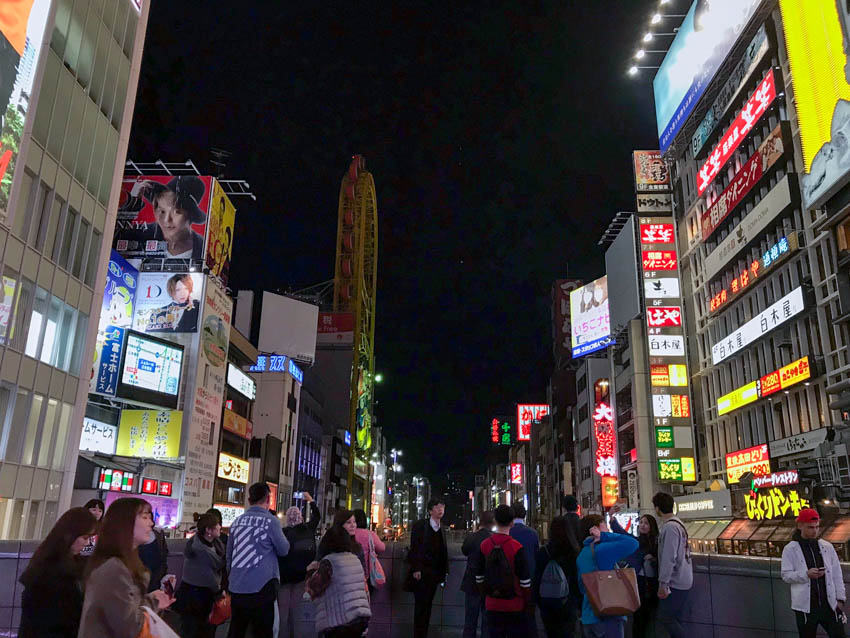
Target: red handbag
{"points": [[220, 611]]}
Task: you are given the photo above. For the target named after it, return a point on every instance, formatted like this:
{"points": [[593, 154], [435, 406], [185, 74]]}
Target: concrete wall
{"points": [[733, 597]]}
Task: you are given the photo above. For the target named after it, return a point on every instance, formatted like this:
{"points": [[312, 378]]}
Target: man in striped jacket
{"points": [[500, 559]]}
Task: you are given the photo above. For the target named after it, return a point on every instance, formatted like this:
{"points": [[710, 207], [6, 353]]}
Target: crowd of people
{"points": [[104, 572]]}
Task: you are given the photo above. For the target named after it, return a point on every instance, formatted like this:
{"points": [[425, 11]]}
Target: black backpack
{"points": [[498, 574]]}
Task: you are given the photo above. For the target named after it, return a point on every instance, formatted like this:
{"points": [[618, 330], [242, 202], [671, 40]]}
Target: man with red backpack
{"points": [[502, 573]]}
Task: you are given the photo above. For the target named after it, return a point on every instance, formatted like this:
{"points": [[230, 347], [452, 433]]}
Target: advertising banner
{"points": [[606, 441], [232, 468], [122, 281], [774, 315], [757, 220], [220, 234], [755, 107], [655, 203], [767, 154], [753, 459], [152, 434], [232, 422], [704, 39], [164, 509], [651, 172], [107, 367], [516, 473], [168, 302], [780, 379], [776, 502], [206, 404], [816, 36], [335, 328], [526, 415], [561, 325], [740, 74], [591, 327], [241, 382], [21, 35], [98, 436], [705, 505], [163, 217]]}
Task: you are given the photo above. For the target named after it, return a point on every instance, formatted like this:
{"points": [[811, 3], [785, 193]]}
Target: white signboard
{"points": [[98, 436], [762, 214], [776, 314], [666, 346], [241, 382], [662, 288], [803, 442]]}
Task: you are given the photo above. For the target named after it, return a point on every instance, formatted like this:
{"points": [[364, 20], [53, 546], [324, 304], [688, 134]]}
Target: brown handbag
{"points": [[611, 592]]}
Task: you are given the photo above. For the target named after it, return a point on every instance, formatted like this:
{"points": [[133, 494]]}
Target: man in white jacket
{"points": [[811, 567]]}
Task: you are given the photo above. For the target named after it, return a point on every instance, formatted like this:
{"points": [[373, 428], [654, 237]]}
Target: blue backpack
{"points": [[554, 586]]}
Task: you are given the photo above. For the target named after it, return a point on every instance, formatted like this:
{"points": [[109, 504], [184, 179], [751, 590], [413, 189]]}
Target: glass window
{"points": [[109, 155], [71, 143], [83, 163], [51, 509], [22, 306], [51, 332], [88, 47], [7, 300], [66, 331], [20, 224], [60, 27], [32, 429], [16, 523], [46, 206], [79, 343], [39, 312], [80, 250], [46, 243], [94, 254], [67, 238], [46, 443], [16, 432], [32, 520], [62, 437], [75, 34], [59, 116], [5, 417], [46, 99]]}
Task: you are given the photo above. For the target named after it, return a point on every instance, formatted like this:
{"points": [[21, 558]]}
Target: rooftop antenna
{"points": [[219, 160]]}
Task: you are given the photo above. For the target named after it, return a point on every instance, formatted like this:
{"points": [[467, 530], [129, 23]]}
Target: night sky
{"points": [[499, 136]]}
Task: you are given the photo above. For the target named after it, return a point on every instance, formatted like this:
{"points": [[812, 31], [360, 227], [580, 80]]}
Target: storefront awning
{"points": [[711, 530], [839, 531]]}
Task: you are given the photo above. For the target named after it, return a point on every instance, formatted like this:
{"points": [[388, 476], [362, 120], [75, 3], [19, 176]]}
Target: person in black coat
{"points": [[301, 535], [428, 559], [154, 556], [559, 616], [52, 599], [474, 600]]}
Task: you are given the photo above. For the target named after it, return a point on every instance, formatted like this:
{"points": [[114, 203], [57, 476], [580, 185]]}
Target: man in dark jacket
{"points": [[573, 519], [301, 535], [154, 556], [429, 564], [530, 541], [474, 600]]}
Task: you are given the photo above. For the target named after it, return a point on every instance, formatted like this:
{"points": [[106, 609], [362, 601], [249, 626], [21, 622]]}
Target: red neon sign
{"points": [[755, 107], [664, 316], [606, 443], [494, 430], [525, 416], [659, 260], [656, 234], [516, 473], [150, 486], [165, 488]]}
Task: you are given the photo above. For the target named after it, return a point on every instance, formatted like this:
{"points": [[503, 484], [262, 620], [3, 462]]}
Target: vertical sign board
{"points": [[670, 398], [206, 404]]}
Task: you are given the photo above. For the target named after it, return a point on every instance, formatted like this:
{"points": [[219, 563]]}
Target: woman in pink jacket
{"points": [[363, 534]]}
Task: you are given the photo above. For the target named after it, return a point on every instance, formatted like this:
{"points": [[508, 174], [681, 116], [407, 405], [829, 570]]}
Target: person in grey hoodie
{"points": [[201, 584], [256, 540], [675, 572]]}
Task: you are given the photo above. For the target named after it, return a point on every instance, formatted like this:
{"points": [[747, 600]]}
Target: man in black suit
{"points": [[429, 564], [474, 600]]}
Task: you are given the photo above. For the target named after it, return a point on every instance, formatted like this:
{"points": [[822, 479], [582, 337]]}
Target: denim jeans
{"points": [[671, 610], [609, 627], [474, 605]]}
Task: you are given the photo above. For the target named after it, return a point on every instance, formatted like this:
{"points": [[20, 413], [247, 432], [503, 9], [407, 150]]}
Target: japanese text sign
{"points": [[651, 172], [659, 260], [526, 415], [232, 468], [780, 379], [606, 440], [516, 473], [766, 505], [753, 459], [657, 234], [150, 433]]}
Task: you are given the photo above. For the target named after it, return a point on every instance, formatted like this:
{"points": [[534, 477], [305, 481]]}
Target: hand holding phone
{"points": [[167, 584]]}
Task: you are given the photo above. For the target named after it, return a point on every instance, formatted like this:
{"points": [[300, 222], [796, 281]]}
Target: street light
{"points": [[379, 377]]}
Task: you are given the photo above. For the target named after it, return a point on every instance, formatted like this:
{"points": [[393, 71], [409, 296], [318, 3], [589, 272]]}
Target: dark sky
{"points": [[499, 137]]}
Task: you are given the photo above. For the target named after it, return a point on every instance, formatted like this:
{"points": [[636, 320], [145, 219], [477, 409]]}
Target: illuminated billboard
{"points": [[153, 434], [816, 37], [526, 415], [753, 459], [150, 370], [606, 440], [168, 302], [21, 35], [232, 468], [591, 324], [516, 473], [220, 233], [651, 172], [781, 379], [704, 39]]}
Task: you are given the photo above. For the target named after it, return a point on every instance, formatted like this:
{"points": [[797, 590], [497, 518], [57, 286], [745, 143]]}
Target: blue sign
{"points": [[699, 48], [774, 252], [277, 363], [347, 438], [296, 372], [110, 359], [119, 294]]}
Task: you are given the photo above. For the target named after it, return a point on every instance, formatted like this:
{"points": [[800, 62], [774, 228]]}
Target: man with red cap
{"points": [[810, 565]]}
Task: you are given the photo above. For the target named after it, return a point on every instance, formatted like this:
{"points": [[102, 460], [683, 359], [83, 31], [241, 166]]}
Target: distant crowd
{"points": [[102, 574]]}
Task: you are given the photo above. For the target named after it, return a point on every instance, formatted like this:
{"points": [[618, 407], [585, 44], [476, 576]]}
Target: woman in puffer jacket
{"points": [[341, 598]]}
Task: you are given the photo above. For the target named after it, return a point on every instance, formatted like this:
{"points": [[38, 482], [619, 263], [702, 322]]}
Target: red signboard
{"points": [[770, 150], [335, 328], [753, 459], [664, 316], [680, 405], [150, 486], [165, 488], [755, 107], [494, 431], [769, 384], [603, 429], [516, 473], [659, 260], [526, 415], [657, 234]]}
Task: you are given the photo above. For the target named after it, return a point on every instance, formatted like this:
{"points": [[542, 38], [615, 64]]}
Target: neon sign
{"points": [[774, 503], [516, 473], [784, 377], [753, 459], [526, 415], [606, 444]]}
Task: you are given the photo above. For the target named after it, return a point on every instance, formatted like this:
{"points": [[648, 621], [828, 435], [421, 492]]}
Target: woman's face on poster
{"points": [[172, 220], [181, 293]]}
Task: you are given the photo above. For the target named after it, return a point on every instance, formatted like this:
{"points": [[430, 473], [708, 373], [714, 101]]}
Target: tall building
{"points": [[66, 121]]}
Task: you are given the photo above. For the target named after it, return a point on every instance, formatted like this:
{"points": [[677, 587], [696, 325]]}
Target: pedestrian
{"points": [[342, 602], [502, 574], [53, 579], [367, 539], [645, 563], [201, 584], [117, 581], [96, 507], [810, 566], [154, 556], [602, 551], [345, 520], [223, 537], [474, 603], [256, 540], [574, 521], [558, 612], [529, 539], [293, 567], [428, 561], [675, 572]]}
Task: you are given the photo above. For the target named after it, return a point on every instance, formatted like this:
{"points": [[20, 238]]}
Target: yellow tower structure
{"points": [[355, 283]]}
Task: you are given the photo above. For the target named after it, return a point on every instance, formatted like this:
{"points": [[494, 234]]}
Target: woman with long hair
{"points": [[342, 605], [558, 614], [301, 535], [645, 563], [345, 520], [52, 600], [363, 535], [203, 567], [117, 579], [97, 508]]}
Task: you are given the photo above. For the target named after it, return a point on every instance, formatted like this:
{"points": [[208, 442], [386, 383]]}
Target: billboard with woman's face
{"points": [[220, 234], [163, 217]]}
